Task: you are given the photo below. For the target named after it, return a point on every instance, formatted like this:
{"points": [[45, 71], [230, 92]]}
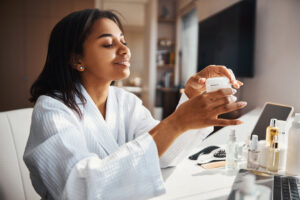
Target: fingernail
{"points": [[239, 122], [242, 103], [234, 91]]}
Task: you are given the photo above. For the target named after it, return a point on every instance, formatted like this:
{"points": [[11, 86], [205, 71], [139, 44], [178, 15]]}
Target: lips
{"points": [[123, 62]]}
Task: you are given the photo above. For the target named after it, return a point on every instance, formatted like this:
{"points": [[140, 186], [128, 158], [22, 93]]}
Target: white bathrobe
{"points": [[97, 158]]}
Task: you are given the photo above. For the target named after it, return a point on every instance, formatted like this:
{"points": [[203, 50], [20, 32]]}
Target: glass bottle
{"points": [[271, 131], [231, 152], [253, 154], [273, 158]]}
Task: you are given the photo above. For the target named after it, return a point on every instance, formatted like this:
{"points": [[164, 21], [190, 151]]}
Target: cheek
{"points": [[99, 58]]}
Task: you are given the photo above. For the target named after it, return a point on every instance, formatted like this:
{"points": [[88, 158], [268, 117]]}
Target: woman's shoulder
{"points": [[47, 104]]}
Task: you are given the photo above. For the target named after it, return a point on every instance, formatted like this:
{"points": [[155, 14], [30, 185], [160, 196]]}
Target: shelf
{"points": [[166, 66], [164, 89], [163, 20]]}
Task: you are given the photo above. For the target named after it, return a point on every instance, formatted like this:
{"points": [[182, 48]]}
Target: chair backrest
{"points": [[15, 182]]}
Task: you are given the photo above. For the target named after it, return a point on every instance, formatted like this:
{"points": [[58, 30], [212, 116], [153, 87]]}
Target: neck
{"points": [[98, 91]]}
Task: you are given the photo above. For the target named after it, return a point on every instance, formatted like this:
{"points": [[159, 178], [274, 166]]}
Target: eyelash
{"points": [[111, 45]]}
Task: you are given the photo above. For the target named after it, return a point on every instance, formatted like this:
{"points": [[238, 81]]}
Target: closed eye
{"points": [[108, 45]]}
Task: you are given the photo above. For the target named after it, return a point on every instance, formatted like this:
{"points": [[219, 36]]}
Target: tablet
{"points": [[271, 110]]}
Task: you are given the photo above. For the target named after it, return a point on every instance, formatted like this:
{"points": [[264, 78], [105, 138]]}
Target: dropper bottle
{"points": [[273, 158], [271, 131]]}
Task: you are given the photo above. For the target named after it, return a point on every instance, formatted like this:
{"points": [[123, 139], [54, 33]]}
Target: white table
{"points": [[189, 181]]}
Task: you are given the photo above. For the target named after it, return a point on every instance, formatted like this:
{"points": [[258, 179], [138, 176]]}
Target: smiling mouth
{"points": [[125, 63]]}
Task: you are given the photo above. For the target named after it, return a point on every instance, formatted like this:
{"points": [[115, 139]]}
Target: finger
{"points": [[226, 122], [202, 81], [234, 81], [229, 107], [240, 83], [222, 70], [223, 101], [197, 82], [219, 93]]}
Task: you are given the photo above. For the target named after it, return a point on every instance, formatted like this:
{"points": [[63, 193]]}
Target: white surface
{"points": [[189, 181]]}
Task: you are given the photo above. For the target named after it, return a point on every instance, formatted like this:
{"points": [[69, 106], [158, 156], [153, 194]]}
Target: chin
{"points": [[124, 75]]}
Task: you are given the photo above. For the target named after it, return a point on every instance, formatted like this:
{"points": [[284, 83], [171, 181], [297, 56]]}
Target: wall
{"points": [[277, 55], [206, 8], [25, 30], [136, 19]]}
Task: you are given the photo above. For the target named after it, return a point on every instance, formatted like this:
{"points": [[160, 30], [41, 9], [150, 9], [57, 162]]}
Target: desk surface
{"points": [[189, 181]]}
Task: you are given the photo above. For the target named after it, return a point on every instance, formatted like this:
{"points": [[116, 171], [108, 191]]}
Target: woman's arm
{"points": [[199, 112]]}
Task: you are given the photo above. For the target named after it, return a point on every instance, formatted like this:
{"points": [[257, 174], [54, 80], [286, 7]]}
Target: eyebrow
{"points": [[107, 35]]}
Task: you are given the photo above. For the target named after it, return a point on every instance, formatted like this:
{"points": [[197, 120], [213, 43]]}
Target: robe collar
{"points": [[91, 112]]}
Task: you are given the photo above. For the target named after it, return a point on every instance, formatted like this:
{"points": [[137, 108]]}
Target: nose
{"points": [[124, 50]]}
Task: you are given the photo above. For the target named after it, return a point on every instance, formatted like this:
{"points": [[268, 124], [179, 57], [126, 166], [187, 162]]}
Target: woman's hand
{"points": [[196, 84], [203, 110]]}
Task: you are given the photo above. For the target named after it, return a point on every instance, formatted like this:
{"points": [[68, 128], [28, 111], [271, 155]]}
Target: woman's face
{"points": [[105, 54]]}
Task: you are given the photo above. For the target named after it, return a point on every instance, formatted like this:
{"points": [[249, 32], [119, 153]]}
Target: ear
{"points": [[76, 62]]}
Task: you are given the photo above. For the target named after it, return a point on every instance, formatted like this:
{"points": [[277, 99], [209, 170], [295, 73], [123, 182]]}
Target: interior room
{"points": [[171, 42]]}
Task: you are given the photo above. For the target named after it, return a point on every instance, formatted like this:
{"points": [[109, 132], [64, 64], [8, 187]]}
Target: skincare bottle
{"points": [[213, 84], [271, 131], [263, 156], [231, 152], [273, 158], [253, 153], [293, 151], [282, 142]]}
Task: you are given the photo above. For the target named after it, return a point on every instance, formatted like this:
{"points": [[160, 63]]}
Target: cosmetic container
{"points": [[216, 83], [253, 154], [273, 158], [263, 156], [271, 131], [293, 151], [231, 152]]}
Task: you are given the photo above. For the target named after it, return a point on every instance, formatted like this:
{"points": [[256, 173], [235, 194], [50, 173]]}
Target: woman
{"points": [[90, 140]]}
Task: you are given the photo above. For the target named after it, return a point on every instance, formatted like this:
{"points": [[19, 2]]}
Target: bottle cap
{"points": [[297, 118], [232, 136], [254, 142], [273, 122], [217, 81]]}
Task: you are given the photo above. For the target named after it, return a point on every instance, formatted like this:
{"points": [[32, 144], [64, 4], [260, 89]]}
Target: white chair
{"points": [[15, 182]]}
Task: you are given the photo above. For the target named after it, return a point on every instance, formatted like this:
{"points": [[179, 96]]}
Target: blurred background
{"points": [[170, 40]]}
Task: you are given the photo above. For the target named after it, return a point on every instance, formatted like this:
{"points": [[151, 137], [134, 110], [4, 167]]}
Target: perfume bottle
{"points": [[253, 154], [231, 152], [271, 131], [273, 158]]}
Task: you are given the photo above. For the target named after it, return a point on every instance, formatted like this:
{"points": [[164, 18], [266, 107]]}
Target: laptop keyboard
{"points": [[286, 188]]}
